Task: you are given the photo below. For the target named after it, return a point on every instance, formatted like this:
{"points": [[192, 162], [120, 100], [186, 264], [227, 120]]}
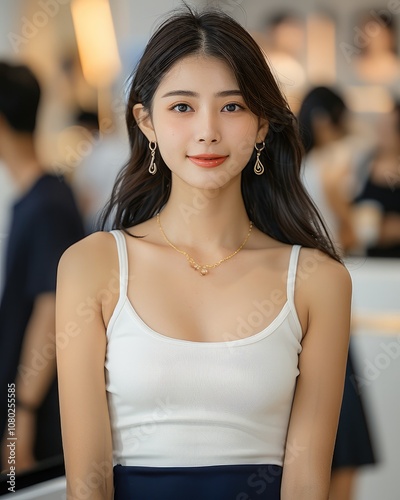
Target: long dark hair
{"points": [[322, 101], [276, 201]]}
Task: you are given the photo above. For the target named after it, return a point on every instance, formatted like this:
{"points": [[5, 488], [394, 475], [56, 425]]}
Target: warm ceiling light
{"points": [[97, 45]]}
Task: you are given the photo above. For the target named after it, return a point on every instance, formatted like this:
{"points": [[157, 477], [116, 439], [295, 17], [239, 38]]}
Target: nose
{"points": [[207, 131]]}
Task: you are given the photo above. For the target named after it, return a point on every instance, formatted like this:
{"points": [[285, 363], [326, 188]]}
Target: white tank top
{"points": [[180, 403]]}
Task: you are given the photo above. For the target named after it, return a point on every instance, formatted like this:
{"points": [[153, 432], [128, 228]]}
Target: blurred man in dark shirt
{"points": [[44, 222]]}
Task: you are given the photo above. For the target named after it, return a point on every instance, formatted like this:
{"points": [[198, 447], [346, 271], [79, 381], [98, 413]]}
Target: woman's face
{"points": [[202, 126], [380, 37]]}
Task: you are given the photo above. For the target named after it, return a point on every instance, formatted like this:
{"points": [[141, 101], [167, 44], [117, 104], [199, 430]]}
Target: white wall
{"points": [[9, 20]]}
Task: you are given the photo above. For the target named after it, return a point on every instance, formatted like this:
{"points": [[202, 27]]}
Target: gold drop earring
{"points": [[258, 166], [153, 166]]}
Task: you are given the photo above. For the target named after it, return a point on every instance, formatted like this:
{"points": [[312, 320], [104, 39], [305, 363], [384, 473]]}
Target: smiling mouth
{"points": [[208, 161]]}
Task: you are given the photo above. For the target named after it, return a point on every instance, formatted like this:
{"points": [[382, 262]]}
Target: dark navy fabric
{"points": [[354, 445], [45, 222], [388, 197], [215, 482]]}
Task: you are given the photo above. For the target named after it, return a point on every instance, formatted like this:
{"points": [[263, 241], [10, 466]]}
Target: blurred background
{"points": [[338, 65]]}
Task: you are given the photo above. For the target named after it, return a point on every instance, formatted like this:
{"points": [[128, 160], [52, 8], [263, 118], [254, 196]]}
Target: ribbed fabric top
{"points": [[180, 403]]}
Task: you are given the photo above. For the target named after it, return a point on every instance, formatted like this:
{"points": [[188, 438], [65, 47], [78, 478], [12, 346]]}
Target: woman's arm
{"points": [[326, 294], [335, 180], [81, 348], [33, 384]]}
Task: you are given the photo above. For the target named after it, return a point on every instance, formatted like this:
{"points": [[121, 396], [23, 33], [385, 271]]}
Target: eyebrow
{"points": [[189, 93]]}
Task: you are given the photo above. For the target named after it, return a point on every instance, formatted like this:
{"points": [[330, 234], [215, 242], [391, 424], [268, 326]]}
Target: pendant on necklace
{"points": [[204, 269], [197, 267]]}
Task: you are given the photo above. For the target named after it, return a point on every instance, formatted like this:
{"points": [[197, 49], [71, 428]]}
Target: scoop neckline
{"points": [[269, 329]]}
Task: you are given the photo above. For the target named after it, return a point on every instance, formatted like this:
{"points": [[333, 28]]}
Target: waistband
{"points": [[213, 482]]}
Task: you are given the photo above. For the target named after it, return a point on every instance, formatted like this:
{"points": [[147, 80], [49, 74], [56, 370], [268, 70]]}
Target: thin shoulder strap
{"points": [[291, 280], [123, 262]]}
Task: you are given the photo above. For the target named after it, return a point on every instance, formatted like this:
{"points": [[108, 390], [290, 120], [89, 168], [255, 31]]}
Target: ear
{"points": [[144, 122], [263, 128]]}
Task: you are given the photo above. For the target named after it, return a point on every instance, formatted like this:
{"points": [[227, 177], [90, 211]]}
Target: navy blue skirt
{"points": [[354, 443], [214, 482]]}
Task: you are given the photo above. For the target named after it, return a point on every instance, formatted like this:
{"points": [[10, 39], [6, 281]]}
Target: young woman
{"points": [[382, 186], [327, 172], [327, 177], [201, 351]]}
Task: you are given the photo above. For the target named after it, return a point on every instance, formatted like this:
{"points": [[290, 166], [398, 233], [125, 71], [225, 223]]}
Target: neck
{"points": [[19, 156], [209, 221], [327, 137]]}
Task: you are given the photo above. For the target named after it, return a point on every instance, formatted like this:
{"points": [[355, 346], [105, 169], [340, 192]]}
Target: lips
{"points": [[208, 160]]}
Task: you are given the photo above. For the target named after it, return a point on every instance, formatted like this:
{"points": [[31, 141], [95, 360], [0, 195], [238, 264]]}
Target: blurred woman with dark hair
{"points": [[327, 166], [376, 55], [327, 176], [381, 189]]}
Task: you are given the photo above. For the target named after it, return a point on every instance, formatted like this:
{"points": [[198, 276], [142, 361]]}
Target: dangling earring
{"points": [[258, 166], [153, 166]]}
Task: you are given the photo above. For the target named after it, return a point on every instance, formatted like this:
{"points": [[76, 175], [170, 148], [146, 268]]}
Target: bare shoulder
{"points": [[320, 268], [323, 290], [322, 278], [91, 257]]}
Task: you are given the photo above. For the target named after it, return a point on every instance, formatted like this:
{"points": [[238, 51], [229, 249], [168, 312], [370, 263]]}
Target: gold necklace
{"points": [[203, 268]]}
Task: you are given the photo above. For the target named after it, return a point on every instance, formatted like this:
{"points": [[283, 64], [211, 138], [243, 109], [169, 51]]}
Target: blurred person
{"points": [[283, 41], [376, 58], [380, 191], [6, 195], [213, 177], [44, 222], [96, 172], [285, 34], [327, 176]]}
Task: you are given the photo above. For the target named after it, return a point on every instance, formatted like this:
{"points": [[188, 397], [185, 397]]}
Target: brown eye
{"points": [[231, 107], [181, 108]]}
